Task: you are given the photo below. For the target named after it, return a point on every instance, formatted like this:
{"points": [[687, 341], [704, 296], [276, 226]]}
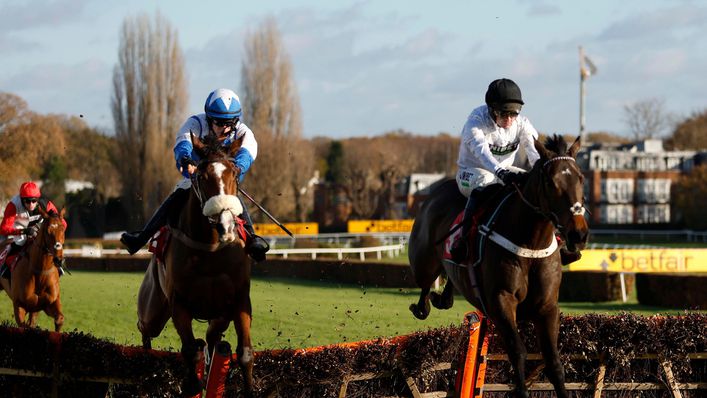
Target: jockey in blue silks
{"points": [[222, 112]]}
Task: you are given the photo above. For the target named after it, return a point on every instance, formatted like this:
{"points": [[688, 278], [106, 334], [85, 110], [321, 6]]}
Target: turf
{"points": [[286, 313]]}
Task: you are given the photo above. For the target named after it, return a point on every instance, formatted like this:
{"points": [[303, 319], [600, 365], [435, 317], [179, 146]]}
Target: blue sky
{"points": [[366, 67]]}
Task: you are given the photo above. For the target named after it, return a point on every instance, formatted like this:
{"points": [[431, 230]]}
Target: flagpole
{"points": [[582, 78]]}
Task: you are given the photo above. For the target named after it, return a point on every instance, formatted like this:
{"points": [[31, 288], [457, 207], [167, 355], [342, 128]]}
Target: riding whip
{"points": [[266, 212]]}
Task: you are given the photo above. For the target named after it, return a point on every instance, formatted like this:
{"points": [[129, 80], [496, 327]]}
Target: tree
{"points": [[647, 118], [334, 159], [688, 199], [690, 133], [271, 108], [148, 103]]}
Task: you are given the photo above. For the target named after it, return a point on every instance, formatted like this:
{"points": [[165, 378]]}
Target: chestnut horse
{"points": [[519, 282], [206, 272], [35, 279]]}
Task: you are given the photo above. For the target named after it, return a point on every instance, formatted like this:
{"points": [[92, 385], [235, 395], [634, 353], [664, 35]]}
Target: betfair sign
{"points": [[642, 260], [363, 226], [297, 228]]}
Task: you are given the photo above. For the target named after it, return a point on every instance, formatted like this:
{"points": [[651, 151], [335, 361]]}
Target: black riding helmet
{"points": [[504, 95]]}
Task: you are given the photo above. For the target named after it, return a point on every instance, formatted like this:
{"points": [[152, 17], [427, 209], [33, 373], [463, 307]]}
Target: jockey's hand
{"points": [[187, 164], [32, 231], [508, 177]]}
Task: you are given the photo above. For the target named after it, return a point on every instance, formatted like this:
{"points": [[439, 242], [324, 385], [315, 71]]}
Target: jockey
{"points": [[222, 112], [488, 154], [21, 221]]}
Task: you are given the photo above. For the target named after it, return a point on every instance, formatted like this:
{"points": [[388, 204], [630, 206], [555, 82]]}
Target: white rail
{"points": [[391, 250]]}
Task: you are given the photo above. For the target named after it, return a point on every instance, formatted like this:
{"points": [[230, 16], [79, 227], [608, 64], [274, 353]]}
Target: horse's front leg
{"points": [[548, 325], [244, 351], [20, 314], [503, 306], [54, 311], [190, 350]]}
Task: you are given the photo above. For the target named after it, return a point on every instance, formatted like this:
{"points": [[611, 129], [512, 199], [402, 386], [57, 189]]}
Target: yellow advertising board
{"points": [[642, 260], [363, 226], [297, 228]]}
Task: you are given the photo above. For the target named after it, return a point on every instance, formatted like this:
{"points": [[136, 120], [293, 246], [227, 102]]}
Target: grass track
{"points": [[286, 313]]}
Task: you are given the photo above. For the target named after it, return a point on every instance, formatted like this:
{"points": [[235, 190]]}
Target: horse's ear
{"points": [[544, 153], [43, 212], [197, 144], [235, 147], [575, 147], [62, 214]]}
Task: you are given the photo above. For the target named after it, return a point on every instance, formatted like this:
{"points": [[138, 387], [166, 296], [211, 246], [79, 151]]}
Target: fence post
{"points": [[220, 362], [470, 383]]}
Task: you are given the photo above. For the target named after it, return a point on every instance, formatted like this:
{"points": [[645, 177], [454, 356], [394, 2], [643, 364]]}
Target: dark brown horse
{"points": [[35, 279], [206, 274], [516, 283]]}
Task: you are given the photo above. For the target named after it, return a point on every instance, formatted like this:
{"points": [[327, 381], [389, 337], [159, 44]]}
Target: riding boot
{"points": [[256, 246], [4, 271], [460, 251], [568, 257], [134, 241]]}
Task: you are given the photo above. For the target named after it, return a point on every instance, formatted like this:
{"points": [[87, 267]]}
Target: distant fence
{"points": [[391, 250]]}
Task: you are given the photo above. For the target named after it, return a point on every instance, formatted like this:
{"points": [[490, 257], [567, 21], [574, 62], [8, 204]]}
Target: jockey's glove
{"points": [[508, 177], [32, 231], [186, 161]]}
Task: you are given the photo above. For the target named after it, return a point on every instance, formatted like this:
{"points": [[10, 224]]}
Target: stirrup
{"points": [[131, 240]]}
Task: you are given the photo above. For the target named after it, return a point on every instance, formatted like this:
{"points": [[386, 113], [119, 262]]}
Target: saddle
{"points": [[160, 241], [488, 200]]}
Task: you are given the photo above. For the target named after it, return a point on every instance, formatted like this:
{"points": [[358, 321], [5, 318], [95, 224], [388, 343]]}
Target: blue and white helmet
{"points": [[223, 104]]}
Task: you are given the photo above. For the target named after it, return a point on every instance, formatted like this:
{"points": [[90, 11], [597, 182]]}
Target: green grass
{"points": [[286, 313]]}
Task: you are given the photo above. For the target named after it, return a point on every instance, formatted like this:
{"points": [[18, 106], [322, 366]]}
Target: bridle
{"points": [[214, 218], [577, 209], [51, 251]]}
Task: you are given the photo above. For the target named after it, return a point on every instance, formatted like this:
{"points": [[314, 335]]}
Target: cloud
{"points": [[543, 10], [84, 88], [39, 14], [665, 23]]}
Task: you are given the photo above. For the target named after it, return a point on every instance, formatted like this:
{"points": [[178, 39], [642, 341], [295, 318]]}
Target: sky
{"points": [[366, 67]]}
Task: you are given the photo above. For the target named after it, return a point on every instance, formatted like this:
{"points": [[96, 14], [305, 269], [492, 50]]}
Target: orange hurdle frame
{"points": [[470, 379]]}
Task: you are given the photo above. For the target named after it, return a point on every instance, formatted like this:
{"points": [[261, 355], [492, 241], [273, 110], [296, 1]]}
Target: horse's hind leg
{"points": [[445, 300], [244, 350], [548, 331], [214, 333], [152, 306], [422, 309]]}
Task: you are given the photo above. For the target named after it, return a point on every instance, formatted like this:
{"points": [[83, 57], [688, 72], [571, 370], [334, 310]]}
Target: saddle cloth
{"points": [[9, 259], [159, 242]]}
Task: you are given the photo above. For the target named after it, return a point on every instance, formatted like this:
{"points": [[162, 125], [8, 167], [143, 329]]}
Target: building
{"points": [[631, 184], [413, 190]]}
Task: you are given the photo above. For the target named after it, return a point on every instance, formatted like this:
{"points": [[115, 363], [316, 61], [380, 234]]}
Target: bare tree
{"points": [[271, 108], [149, 102], [647, 118]]}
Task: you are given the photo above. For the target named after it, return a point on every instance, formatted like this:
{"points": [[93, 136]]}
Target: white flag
{"points": [[588, 67]]}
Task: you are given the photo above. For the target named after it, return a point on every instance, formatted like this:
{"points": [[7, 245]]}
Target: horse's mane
{"points": [[556, 144], [212, 146]]}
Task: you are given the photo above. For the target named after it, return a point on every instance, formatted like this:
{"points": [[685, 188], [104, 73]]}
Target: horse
{"points": [[206, 272], [34, 283], [520, 282]]}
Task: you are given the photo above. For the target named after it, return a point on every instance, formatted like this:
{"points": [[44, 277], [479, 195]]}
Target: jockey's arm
{"points": [[249, 150], [481, 150], [7, 227], [528, 135]]}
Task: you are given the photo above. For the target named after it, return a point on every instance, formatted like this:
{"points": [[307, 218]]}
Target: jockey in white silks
{"points": [[222, 112], [497, 145], [492, 140]]}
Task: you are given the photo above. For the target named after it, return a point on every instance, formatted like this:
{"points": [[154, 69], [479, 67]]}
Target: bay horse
{"points": [[523, 281], [206, 272], [34, 281]]}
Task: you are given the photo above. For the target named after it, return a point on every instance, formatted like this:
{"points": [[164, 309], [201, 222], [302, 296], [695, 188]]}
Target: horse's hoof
{"points": [[439, 302], [418, 313], [191, 386]]}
